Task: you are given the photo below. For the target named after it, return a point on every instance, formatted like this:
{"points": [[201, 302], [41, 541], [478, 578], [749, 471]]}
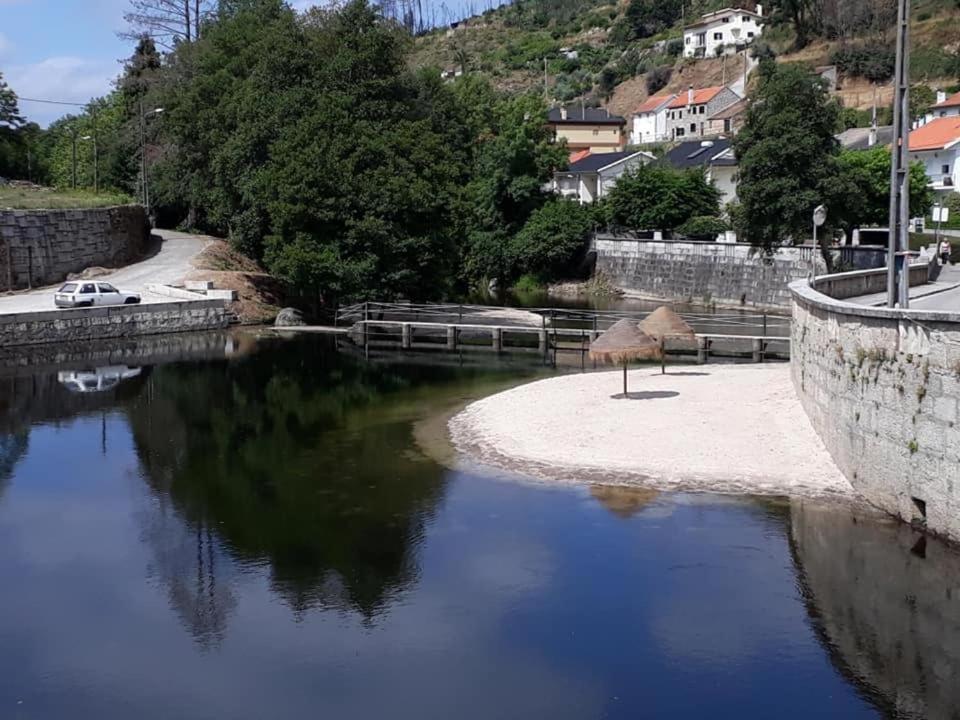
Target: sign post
{"points": [[819, 218]]}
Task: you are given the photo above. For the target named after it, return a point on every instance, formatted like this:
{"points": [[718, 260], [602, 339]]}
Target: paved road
{"points": [[944, 294], [167, 266]]}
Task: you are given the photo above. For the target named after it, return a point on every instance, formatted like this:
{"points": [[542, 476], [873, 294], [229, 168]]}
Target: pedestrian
{"points": [[945, 251]]}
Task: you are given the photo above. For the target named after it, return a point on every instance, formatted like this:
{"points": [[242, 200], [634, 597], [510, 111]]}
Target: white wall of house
{"points": [[567, 185], [724, 178], [942, 167], [724, 29], [650, 127]]}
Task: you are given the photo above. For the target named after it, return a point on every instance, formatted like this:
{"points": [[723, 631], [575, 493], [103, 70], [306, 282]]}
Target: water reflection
{"points": [[98, 379], [887, 602]]}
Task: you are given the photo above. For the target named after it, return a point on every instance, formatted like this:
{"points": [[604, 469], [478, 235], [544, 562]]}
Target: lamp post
{"points": [[143, 152], [96, 163], [898, 246], [73, 158]]}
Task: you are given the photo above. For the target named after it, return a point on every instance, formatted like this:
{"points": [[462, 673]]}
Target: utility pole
{"points": [[546, 95], [143, 159], [898, 247]]}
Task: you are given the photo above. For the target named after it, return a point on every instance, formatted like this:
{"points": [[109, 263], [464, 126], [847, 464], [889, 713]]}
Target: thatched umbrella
{"points": [[663, 323], [622, 342]]}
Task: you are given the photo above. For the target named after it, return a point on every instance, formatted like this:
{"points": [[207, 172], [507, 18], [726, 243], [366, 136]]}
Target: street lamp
{"points": [[819, 218], [143, 152], [96, 163]]}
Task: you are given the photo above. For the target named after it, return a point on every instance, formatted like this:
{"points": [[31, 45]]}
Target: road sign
{"points": [[819, 215], [941, 214]]}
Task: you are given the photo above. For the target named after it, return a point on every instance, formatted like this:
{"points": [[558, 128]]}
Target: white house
{"points": [[723, 31], [717, 159], [937, 146], [650, 120], [592, 176]]}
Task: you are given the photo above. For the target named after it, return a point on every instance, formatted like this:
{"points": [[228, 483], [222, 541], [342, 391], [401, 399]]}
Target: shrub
{"points": [[552, 238], [674, 47], [658, 78], [872, 61], [703, 227]]}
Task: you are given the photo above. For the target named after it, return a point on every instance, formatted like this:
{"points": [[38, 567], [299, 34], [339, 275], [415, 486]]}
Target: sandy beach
{"points": [[719, 428]]}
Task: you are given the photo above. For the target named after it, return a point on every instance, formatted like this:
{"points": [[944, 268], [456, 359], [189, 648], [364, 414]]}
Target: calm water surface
{"points": [[264, 536]]}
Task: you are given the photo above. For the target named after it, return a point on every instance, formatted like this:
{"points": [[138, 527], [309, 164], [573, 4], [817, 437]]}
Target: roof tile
{"points": [[936, 134], [701, 96]]}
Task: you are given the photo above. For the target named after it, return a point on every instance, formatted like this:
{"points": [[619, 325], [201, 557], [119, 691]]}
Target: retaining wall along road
{"points": [[118, 321], [882, 389], [729, 274], [41, 247]]}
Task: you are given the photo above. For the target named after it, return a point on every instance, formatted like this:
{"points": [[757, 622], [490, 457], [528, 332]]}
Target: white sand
{"points": [[718, 428]]}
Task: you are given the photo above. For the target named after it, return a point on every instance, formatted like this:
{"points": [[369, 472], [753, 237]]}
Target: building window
{"points": [[703, 109], [718, 36], [726, 19], [688, 38], [693, 127], [945, 169], [750, 35], [679, 132]]}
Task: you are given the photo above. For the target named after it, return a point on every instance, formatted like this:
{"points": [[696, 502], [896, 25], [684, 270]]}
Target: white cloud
{"points": [[68, 79]]}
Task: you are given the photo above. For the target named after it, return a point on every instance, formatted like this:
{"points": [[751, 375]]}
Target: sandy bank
{"points": [[730, 428]]}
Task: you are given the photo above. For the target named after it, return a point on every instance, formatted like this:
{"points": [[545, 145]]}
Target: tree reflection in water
{"points": [[292, 455], [886, 603]]}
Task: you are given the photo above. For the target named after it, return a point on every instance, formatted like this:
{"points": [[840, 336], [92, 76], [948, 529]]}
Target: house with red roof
{"points": [[947, 107], [688, 114], [937, 146], [649, 121]]}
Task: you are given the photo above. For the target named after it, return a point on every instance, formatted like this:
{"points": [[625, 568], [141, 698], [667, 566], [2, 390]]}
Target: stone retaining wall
{"points": [[60, 326], [725, 274], [41, 247], [882, 389]]}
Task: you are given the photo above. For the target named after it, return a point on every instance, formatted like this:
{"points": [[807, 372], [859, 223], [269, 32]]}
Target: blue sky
{"points": [[69, 49], [62, 50]]}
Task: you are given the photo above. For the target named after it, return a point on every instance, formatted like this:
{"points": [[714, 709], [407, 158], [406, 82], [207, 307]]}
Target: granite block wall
{"points": [[119, 321], [882, 389], [41, 247]]}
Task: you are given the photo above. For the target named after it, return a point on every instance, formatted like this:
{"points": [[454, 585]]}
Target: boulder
{"points": [[289, 317]]}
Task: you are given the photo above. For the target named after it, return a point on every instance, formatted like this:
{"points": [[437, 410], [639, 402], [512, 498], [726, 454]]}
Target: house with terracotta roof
{"points": [[946, 107], [937, 146], [587, 128], [650, 120], [688, 114], [723, 31], [591, 178]]}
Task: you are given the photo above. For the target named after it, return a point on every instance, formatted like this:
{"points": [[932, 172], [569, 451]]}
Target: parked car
{"points": [[96, 380], [87, 294]]}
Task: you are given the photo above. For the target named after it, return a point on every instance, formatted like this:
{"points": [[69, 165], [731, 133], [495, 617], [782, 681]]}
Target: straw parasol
{"points": [[622, 342], [663, 323]]}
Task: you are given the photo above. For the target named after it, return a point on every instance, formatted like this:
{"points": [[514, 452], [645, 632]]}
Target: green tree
{"points": [[658, 197], [552, 239], [921, 98], [787, 155], [868, 172], [12, 148]]}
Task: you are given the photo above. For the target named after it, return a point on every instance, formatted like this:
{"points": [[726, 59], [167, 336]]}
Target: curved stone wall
{"points": [[41, 247], [882, 388]]}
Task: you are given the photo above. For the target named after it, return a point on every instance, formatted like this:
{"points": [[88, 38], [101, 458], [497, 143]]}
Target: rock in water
{"points": [[289, 317]]}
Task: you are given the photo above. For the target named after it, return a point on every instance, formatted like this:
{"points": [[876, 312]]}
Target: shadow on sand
{"points": [[645, 395]]}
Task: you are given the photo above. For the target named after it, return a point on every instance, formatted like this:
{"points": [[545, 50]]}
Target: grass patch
{"points": [[25, 198], [529, 283]]}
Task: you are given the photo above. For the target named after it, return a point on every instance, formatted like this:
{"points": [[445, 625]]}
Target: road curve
{"points": [[167, 266]]}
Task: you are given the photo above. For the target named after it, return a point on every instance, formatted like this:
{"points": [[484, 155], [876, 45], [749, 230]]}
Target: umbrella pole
{"points": [[624, 378], [663, 357]]}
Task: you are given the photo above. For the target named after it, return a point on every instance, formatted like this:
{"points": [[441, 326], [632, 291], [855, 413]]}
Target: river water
{"points": [[207, 528]]}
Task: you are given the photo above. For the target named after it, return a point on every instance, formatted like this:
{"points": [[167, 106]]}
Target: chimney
{"points": [[872, 137], [941, 97], [759, 9], [690, 95], [563, 112]]}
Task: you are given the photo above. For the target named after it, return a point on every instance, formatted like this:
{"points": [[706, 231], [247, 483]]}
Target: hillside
{"points": [[601, 53]]}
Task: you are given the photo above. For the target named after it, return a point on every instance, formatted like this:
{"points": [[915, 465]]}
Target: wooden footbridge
{"points": [[551, 332]]}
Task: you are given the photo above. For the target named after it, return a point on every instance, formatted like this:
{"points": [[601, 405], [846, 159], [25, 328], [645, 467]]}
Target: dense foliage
{"points": [[787, 155], [554, 235], [658, 197], [869, 172]]}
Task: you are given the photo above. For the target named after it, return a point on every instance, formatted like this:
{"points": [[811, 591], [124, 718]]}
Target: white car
{"points": [[96, 380], [88, 294]]}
